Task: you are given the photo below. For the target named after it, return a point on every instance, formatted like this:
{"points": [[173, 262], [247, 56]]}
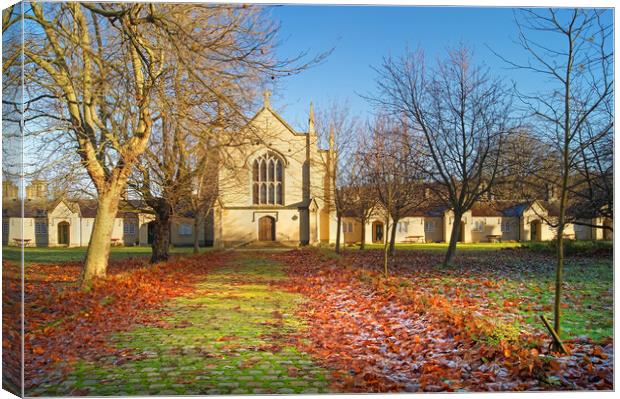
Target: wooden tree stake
{"points": [[554, 335]]}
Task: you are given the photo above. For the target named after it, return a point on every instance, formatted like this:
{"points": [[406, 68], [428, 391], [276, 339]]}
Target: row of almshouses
{"points": [[485, 222], [70, 222]]}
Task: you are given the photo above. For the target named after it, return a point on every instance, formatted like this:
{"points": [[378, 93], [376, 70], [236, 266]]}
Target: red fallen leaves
{"points": [[380, 335], [65, 324]]}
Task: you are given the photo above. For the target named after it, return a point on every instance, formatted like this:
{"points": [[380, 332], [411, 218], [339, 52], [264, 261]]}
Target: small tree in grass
{"points": [[572, 111], [463, 114]]}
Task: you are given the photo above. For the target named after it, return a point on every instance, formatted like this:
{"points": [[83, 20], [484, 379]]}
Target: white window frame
{"points": [[129, 228], [429, 226], [506, 226], [185, 229], [478, 226], [40, 228]]}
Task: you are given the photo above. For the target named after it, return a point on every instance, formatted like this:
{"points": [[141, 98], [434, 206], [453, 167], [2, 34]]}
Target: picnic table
{"points": [[25, 241], [568, 236], [115, 241], [414, 239], [494, 237]]}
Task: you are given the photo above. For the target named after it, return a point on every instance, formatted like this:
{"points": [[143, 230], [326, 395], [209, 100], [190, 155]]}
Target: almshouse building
{"points": [[276, 187], [67, 222], [487, 221]]}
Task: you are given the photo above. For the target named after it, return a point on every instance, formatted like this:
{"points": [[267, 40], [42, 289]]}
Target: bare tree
{"points": [[359, 196], [96, 68], [89, 58], [575, 56], [463, 114], [591, 191], [204, 195], [203, 108], [527, 167], [338, 128], [395, 173]]}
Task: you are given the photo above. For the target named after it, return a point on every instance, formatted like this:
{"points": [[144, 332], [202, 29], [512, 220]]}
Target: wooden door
{"points": [[377, 232], [535, 230], [150, 233], [63, 233], [266, 229]]}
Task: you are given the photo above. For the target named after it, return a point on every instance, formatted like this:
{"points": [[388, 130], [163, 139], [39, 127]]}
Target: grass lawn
{"points": [[442, 246], [515, 285], [56, 255], [587, 297]]}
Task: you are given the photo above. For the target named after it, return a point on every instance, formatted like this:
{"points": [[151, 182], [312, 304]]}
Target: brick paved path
{"points": [[229, 337]]}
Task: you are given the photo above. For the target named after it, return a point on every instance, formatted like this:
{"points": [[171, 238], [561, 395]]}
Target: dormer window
{"points": [[267, 176]]}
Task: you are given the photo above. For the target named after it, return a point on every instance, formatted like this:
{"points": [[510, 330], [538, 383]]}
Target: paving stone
{"points": [[255, 372], [231, 385], [260, 391]]}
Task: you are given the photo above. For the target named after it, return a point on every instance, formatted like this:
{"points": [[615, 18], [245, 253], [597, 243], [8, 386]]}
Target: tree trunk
{"points": [[363, 234], [454, 236], [197, 223], [393, 237], [387, 244], [98, 252], [559, 270], [338, 227], [161, 236]]}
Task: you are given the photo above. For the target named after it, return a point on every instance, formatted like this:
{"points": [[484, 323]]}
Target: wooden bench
{"points": [[494, 237], [412, 239], [115, 241]]}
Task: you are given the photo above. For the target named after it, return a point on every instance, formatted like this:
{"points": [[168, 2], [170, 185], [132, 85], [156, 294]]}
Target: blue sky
{"points": [[362, 35]]}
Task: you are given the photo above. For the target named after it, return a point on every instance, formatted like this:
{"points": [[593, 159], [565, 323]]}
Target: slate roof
{"points": [[500, 208], [13, 208], [431, 210], [86, 208]]}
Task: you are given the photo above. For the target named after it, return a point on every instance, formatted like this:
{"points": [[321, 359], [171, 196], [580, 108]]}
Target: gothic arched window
{"points": [[267, 185]]}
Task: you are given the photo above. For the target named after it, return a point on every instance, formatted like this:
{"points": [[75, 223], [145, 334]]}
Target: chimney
{"points": [[9, 190], [551, 192], [37, 190]]}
